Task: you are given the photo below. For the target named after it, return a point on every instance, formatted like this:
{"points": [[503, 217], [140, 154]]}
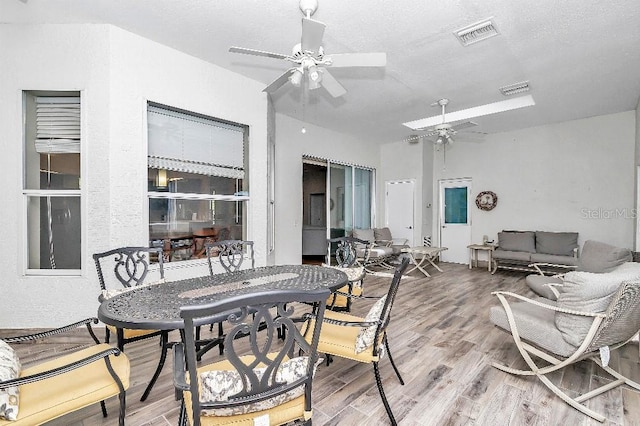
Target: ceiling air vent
{"points": [[515, 88], [476, 32]]}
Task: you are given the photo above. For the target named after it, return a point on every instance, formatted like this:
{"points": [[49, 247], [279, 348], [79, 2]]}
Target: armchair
{"points": [[129, 268], [594, 315], [362, 339], [51, 389], [264, 382]]}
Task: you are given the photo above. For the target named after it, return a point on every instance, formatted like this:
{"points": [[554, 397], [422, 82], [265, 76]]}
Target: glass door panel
{"points": [[340, 188], [362, 198]]}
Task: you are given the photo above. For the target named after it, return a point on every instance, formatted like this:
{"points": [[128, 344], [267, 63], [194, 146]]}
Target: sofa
{"points": [[595, 257], [517, 250]]}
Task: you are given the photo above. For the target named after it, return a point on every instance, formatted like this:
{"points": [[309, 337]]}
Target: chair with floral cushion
{"points": [[363, 339], [261, 380], [128, 268], [346, 256], [60, 385], [593, 315]]}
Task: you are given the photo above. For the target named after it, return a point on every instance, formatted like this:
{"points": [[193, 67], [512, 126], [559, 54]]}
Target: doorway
{"points": [[399, 204], [455, 220]]}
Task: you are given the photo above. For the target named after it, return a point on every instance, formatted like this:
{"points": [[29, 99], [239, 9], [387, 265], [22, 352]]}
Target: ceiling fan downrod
{"points": [[308, 7]]}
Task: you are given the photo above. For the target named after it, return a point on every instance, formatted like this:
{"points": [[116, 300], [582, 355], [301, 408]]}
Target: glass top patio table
{"points": [[157, 306]]}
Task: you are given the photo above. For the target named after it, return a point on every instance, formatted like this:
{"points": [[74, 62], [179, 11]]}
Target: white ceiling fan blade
{"points": [[464, 125], [479, 111], [332, 85], [278, 82], [312, 32], [256, 52], [343, 60]]}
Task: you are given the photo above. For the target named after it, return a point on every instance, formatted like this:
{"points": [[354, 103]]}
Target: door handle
{"points": [[409, 227]]}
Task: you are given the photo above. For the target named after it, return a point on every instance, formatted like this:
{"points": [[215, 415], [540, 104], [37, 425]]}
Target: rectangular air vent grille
{"points": [[514, 89], [476, 32]]}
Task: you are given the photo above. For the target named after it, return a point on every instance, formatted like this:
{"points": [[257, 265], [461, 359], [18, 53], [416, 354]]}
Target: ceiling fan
{"points": [[443, 131], [310, 62], [440, 125]]}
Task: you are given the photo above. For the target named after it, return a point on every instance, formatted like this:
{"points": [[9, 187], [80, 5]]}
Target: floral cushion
{"points": [[220, 385], [366, 334], [9, 369]]}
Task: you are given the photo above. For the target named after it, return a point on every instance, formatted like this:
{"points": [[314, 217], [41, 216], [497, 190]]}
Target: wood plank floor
{"points": [[443, 344]]}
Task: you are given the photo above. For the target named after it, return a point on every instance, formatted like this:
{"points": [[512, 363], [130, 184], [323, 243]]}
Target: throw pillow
{"points": [[517, 241], [382, 234], [556, 243], [364, 234], [9, 369], [220, 385], [589, 292], [366, 334], [600, 257]]}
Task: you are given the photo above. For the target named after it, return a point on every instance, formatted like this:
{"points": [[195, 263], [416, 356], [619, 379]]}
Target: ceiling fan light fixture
{"points": [[476, 32], [515, 88], [296, 77]]}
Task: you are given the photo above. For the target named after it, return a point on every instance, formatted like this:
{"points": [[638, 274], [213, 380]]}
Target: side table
{"points": [[474, 249]]}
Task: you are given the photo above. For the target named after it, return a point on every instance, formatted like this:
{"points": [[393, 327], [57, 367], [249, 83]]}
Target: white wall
{"points": [[291, 145], [117, 73], [571, 176], [403, 161], [636, 189]]}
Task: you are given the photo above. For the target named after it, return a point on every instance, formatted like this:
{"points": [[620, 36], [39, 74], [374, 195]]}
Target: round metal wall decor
{"points": [[486, 200]]}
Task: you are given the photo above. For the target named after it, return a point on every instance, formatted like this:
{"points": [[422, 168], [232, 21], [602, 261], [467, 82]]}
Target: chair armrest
{"points": [[501, 295], [103, 355], [345, 323], [384, 243], [179, 367], [43, 334]]}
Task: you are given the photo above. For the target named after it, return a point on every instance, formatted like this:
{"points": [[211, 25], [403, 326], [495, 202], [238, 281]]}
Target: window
{"points": [[197, 181], [51, 186]]}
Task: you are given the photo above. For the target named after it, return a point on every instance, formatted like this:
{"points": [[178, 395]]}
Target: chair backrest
{"points": [[257, 365], [130, 265], [622, 320], [346, 252], [230, 254], [385, 315]]}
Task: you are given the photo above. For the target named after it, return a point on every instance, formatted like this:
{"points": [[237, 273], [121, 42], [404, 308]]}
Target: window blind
{"points": [[192, 144], [57, 125]]}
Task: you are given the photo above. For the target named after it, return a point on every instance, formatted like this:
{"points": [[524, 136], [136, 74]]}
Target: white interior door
{"points": [[399, 201], [455, 220]]}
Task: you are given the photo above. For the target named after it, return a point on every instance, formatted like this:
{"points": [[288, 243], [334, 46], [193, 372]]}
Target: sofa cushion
{"points": [[382, 234], [538, 284], [600, 257], [535, 324], [555, 259], [517, 241], [511, 255], [556, 243], [364, 234], [589, 292]]}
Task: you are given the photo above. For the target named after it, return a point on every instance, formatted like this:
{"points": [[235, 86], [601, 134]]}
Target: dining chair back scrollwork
{"points": [[122, 269], [230, 254], [261, 380], [346, 258]]}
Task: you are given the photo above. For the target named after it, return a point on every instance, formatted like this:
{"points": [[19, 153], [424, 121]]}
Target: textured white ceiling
{"points": [[582, 57]]}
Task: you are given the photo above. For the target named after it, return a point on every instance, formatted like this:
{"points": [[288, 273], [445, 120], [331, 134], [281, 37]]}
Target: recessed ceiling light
{"points": [[476, 32], [515, 88]]}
